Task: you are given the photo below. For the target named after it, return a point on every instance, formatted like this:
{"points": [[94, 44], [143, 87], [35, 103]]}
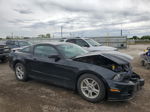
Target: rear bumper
{"points": [[126, 90]]}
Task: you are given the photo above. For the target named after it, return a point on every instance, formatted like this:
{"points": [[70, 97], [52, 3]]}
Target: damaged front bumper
{"points": [[124, 90]]}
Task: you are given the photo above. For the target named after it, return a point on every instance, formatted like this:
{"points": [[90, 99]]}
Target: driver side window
{"points": [[82, 43], [44, 51]]}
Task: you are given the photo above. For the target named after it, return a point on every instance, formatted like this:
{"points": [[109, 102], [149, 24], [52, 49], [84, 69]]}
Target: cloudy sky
{"points": [[78, 17]]}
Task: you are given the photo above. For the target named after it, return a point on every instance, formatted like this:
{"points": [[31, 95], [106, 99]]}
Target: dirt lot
{"points": [[34, 96]]}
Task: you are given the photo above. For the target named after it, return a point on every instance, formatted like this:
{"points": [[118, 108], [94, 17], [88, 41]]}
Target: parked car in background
{"points": [[145, 58], [89, 44], [95, 75], [4, 52], [17, 43]]}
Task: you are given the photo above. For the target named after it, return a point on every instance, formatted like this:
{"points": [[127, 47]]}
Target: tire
{"points": [[20, 72], [142, 62], [92, 92]]}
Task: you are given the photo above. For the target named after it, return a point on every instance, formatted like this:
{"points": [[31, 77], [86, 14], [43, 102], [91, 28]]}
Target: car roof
{"points": [[75, 38], [18, 40]]}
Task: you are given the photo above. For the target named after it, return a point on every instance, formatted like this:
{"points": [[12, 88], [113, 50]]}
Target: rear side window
{"points": [[44, 51]]}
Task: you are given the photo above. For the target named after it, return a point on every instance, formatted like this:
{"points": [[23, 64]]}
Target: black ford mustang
{"points": [[96, 75]]}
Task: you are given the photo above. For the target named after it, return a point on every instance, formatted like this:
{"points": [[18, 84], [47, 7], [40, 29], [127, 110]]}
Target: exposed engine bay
{"points": [[105, 62], [124, 70]]}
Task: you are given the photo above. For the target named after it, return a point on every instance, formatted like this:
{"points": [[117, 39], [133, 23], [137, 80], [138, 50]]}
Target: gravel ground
{"points": [[34, 96]]}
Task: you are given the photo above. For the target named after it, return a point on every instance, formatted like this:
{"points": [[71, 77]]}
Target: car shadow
{"points": [[75, 94]]}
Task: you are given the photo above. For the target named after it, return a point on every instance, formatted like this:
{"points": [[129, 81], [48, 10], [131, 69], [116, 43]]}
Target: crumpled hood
{"points": [[115, 56], [120, 58], [102, 48]]}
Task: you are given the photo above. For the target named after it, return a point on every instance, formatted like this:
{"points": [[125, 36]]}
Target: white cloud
{"points": [[32, 17]]}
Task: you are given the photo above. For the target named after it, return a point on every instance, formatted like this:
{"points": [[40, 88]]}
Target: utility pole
{"points": [[12, 35], [121, 30], [61, 31], [70, 34]]}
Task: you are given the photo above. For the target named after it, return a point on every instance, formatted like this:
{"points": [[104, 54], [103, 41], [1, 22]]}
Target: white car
{"points": [[89, 44]]}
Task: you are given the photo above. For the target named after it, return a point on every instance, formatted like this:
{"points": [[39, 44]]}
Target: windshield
{"points": [[23, 43], [71, 50], [93, 42]]}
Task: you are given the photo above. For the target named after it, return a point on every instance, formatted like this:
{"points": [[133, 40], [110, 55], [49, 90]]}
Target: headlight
{"points": [[118, 77], [117, 68], [5, 50], [6, 47]]}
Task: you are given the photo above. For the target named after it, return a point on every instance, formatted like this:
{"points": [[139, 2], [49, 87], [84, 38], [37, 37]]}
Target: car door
{"points": [[43, 67]]}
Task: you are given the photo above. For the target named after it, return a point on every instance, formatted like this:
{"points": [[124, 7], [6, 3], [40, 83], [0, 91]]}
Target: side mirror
{"points": [[86, 45], [56, 57]]}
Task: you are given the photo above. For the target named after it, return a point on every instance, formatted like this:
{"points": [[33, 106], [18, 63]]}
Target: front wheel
{"points": [[20, 72], [91, 88]]}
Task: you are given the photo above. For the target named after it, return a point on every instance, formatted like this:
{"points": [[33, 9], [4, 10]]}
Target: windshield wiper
{"points": [[73, 57]]}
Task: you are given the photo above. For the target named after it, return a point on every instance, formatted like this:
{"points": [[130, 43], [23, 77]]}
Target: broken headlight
{"points": [[118, 77]]}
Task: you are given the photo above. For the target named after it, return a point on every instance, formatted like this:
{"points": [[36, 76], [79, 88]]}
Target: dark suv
{"points": [[17, 43], [4, 51]]}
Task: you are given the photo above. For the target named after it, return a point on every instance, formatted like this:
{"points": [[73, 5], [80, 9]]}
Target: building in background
{"points": [[114, 41]]}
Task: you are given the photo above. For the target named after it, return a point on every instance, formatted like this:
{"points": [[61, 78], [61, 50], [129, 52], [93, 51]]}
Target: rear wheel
{"points": [[91, 88], [20, 72]]}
